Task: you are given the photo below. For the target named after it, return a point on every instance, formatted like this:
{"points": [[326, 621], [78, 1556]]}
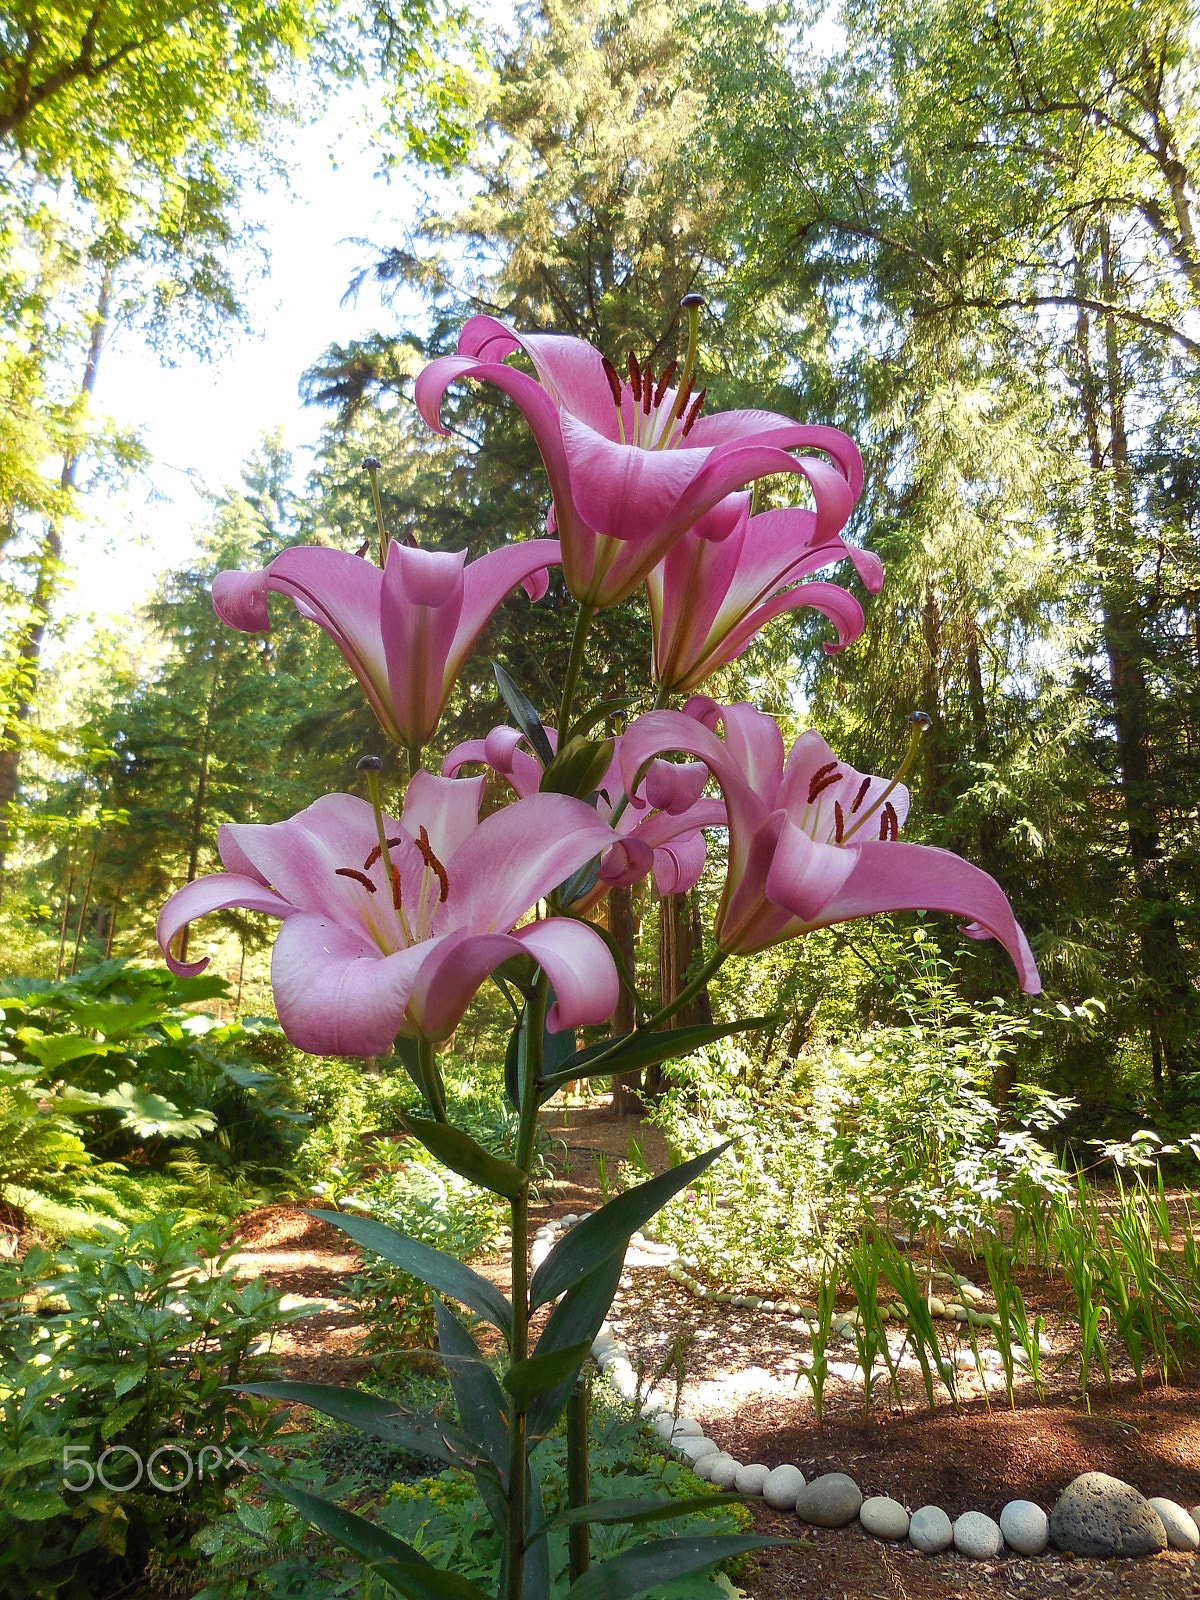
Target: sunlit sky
{"points": [[201, 419]]}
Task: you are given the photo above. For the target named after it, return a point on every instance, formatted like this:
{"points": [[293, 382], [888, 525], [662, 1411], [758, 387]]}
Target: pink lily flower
{"points": [[813, 842], [365, 953], [632, 464], [406, 630], [659, 830], [729, 575]]}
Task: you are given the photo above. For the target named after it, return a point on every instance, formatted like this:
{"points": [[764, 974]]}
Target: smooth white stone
{"points": [[781, 1487], [687, 1428], [637, 1238], [884, 1517], [567, 1221], [602, 1344], [1026, 1527], [931, 1530], [624, 1381], [750, 1479], [724, 1473], [692, 1449], [977, 1536], [665, 1425], [703, 1468], [964, 1360], [1182, 1533]]}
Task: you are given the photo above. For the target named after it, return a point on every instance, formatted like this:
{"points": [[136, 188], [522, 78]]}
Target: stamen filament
{"points": [[921, 725], [693, 304], [370, 767]]}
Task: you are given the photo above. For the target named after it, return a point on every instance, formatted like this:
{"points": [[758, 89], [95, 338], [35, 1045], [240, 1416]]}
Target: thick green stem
{"points": [[578, 1543], [431, 1079], [535, 1024], [413, 753], [583, 623]]}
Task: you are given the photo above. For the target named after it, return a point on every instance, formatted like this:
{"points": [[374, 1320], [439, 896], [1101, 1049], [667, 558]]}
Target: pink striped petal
{"points": [[729, 427], [577, 961], [488, 580], [447, 808], [335, 993], [678, 865], [219, 891]]}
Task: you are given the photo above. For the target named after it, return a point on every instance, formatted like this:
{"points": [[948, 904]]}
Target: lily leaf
{"points": [[636, 1050], [524, 714], [607, 1231], [631, 1509], [397, 1562], [458, 1151], [422, 1432], [525, 1380], [556, 1048], [445, 1273], [482, 1409], [576, 1317], [646, 1566]]}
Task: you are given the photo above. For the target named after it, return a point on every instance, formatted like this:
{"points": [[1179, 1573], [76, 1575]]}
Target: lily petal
{"points": [[335, 993], [447, 808], [219, 891], [580, 968]]}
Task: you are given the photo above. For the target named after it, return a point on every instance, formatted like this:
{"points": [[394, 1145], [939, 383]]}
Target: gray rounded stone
{"points": [[706, 1465], [750, 1479], [665, 1425], [930, 1530], [1182, 1532], [692, 1449], [830, 1501], [884, 1517], [781, 1486], [1098, 1515], [1026, 1527], [686, 1428], [977, 1536], [724, 1472], [1194, 1513]]}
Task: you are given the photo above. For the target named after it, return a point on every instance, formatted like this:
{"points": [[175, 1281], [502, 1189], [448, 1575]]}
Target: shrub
{"points": [[126, 1346]]}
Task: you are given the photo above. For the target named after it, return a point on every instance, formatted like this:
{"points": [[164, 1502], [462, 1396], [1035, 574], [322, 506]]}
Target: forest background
{"points": [[966, 234]]}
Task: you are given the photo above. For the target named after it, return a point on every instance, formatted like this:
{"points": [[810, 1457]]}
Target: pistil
{"points": [[371, 767], [920, 722]]}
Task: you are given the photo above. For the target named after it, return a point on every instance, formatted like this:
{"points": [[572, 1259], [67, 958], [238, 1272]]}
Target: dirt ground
{"points": [[741, 1382]]}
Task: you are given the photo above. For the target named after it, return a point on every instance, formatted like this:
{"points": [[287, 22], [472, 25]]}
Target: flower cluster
{"points": [[389, 926]]}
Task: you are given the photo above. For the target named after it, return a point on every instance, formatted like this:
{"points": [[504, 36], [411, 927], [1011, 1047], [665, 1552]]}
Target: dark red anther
{"points": [[668, 372], [359, 877], [889, 823], [432, 862], [614, 382], [635, 377], [861, 795], [647, 387], [690, 419], [375, 855], [363, 548], [395, 888], [839, 822], [821, 779]]}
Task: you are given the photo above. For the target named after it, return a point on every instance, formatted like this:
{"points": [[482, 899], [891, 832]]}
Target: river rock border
{"points": [[1096, 1515]]}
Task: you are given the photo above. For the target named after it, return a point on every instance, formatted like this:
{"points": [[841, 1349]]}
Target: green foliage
{"points": [[110, 1063], [124, 1345]]}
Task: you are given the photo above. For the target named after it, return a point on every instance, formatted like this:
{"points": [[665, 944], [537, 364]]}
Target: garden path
{"points": [[740, 1382]]}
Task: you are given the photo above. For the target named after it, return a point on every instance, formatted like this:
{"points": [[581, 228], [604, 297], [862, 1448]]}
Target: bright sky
{"points": [[200, 420]]}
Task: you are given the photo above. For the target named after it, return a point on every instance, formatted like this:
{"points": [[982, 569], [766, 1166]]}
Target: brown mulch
{"points": [[740, 1382]]}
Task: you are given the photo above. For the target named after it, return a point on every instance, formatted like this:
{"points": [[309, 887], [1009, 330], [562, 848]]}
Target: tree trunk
{"points": [[1169, 1000], [49, 566], [680, 937]]}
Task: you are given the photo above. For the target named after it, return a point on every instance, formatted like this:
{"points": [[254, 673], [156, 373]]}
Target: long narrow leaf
{"points": [[482, 1409], [637, 1050], [607, 1231], [395, 1561], [646, 1566], [524, 714], [629, 1509], [458, 1151], [526, 1380], [576, 1317], [442, 1272], [422, 1432]]}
